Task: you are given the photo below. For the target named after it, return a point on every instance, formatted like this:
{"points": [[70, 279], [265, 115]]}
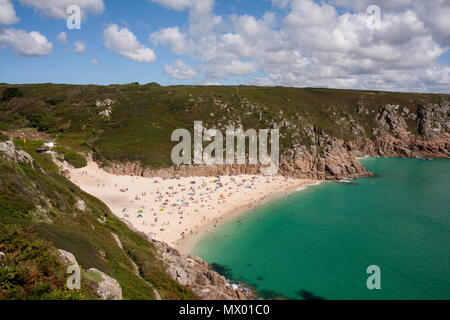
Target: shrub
{"points": [[3, 137], [75, 159], [43, 121], [10, 93], [31, 269]]}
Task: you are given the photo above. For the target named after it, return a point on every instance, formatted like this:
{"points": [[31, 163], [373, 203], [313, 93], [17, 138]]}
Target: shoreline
{"points": [[179, 211], [186, 245]]}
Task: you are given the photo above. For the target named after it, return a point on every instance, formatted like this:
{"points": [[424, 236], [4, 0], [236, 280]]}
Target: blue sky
{"points": [[279, 42]]}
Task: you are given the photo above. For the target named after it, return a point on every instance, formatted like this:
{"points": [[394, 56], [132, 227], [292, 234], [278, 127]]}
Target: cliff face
{"points": [[322, 131], [199, 276], [331, 158], [392, 138]]}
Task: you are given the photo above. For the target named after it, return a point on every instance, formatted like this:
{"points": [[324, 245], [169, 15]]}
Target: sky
{"points": [[394, 45]]}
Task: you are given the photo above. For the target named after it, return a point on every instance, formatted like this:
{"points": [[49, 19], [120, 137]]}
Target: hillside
{"points": [[128, 127], [127, 130], [40, 211]]}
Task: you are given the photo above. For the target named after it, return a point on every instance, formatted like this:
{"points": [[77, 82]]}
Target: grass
{"points": [[74, 158], [32, 269], [43, 204], [144, 116], [3, 137]]}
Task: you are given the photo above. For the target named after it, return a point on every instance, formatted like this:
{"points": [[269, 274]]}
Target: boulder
{"points": [[9, 150], [108, 288], [81, 205], [67, 257]]}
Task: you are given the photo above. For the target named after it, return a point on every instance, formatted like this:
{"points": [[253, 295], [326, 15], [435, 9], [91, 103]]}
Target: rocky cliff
{"points": [[199, 276], [331, 158]]}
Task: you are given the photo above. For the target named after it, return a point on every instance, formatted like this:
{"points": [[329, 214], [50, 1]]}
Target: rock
{"points": [[9, 150], [392, 122], [331, 158], [108, 288], [81, 205], [172, 273], [180, 276], [240, 295], [67, 257], [102, 253], [196, 274], [106, 113], [433, 119]]}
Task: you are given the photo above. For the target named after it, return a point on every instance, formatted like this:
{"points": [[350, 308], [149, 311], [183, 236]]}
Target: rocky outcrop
{"points": [[199, 276], [434, 119], [393, 139], [10, 153], [108, 288], [330, 158], [180, 171], [108, 104], [67, 257], [81, 205], [103, 286], [336, 163]]}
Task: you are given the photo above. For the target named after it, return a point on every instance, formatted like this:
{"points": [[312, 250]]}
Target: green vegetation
{"points": [[44, 161], [74, 158], [144, 117], [32, 269], [38, 214], [38, 211], [10, 93]]}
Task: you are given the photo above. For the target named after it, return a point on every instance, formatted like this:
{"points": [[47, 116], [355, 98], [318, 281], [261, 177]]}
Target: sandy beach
{"points": [[179, 210]]}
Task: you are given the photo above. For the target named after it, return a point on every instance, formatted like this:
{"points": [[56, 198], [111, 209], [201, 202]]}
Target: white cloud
{"points": [[79, 46], [95, 62], [436, 15], [125, 43], [323, 43], [172, 37], [62, 37], [57, 8], [180, 70], [232, 68], [174, 4], [25, 43], [7, 13]]}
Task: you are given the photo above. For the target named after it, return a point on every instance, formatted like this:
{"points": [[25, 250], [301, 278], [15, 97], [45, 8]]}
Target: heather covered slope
{"points": [[41, 211], [322, 130]]}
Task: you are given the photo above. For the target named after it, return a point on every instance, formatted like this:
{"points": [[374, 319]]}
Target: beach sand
{"points": [[178, 211]]}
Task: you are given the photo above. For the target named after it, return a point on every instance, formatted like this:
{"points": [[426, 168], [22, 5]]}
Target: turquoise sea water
{"points": [[318, 243]]}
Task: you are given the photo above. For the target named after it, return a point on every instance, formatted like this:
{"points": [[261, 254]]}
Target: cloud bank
{"points": [[307, 43]]}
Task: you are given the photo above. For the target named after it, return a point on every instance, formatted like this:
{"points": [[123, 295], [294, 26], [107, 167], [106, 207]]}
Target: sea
{"points": [[381, 237]]}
